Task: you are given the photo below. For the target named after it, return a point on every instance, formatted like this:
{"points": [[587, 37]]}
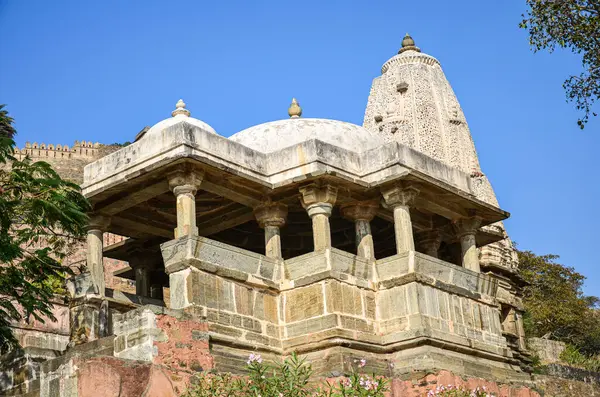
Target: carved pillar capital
{"points": [[466, 228], [98, 222], [318, 201], [361, 213], [185, 181], [429, 242], [271, 214], [466, 225], [362, 210], [319, 209], [318, 194], [396, 195]]}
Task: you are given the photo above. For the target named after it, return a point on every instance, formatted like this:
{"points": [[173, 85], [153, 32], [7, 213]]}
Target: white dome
{"points": [[276, 135], [180, 114]]}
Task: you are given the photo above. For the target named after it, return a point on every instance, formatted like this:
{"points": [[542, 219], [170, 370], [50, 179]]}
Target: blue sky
{"points": [[102, 70]]}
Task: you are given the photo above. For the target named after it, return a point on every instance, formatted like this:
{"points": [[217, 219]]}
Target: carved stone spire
{"points": [[413, 103]]}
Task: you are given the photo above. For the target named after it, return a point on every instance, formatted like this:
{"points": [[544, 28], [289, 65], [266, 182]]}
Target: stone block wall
{"points": [[179, 339], [547, 350], [45, 334], [409, 311], [20, 370]]}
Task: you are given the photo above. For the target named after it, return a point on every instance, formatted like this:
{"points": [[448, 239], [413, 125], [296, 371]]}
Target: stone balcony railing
{"points": [[329, 296]]}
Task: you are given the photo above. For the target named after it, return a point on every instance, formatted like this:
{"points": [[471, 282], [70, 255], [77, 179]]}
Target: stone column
{"points": [[95, 244], [399, 199], [429, 242], [466, 228], [271, 217], [318, 200], [520, 330], [184, 185], [362, 214], [142, 280]]}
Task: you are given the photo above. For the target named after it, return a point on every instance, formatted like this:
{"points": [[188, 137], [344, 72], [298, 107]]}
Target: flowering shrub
{"points": [[288, 379], [457, 391]]}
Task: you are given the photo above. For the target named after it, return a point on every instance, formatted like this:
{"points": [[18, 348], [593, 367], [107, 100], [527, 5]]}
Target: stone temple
{"points": [[382, 241]]}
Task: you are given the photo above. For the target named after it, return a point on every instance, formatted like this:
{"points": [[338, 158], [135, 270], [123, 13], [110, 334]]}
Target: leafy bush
{"points": [[573, 357], [290, 379], [555, 304]]}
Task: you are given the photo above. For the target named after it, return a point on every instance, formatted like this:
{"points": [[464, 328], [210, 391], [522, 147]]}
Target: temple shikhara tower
{"points": [[337, 241]]}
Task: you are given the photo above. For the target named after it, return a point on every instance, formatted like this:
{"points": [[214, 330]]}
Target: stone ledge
{"points": [[413, 266], [212, 256]]}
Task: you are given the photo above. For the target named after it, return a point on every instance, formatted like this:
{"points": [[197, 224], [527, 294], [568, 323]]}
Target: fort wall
{"points": [[67, 160]]}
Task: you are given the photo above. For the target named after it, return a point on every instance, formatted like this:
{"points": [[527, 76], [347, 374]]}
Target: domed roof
{"points": [[180, 114], [276, 135]]}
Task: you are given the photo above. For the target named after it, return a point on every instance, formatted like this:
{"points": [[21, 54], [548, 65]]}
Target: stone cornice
{"points": [[312, 158]]}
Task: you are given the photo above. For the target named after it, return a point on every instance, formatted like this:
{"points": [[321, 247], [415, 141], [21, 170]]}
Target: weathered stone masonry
{"points": [[337, 241]]}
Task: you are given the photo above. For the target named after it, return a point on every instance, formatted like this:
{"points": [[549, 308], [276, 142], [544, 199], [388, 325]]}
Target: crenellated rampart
{"points": [[67, 160]]}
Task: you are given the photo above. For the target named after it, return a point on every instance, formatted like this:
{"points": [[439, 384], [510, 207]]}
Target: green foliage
{"points": [[126, 143], [292, 378], [41, 217], [458, 391], [6, 128], [573, 357], [573, 25], [555, 305]]}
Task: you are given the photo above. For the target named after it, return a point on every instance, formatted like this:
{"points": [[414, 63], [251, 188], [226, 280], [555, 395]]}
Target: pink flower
{"points": [[254, 358], [362, 363]]}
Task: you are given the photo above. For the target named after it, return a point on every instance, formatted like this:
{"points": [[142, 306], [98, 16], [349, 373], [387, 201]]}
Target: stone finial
{"points": [[295, 110], [180, 109], [408, 44]]}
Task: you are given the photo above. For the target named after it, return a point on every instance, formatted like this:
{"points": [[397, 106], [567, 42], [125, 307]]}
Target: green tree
{"points": [[41, 217], [573, 25], [555, 304], [6, 128]]}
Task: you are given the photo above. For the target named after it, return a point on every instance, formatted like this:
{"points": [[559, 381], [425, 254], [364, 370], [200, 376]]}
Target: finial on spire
{"points": [[295, 110], [408, 44], [180, 109]]}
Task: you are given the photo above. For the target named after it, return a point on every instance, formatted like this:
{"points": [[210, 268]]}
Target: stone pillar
{"points": [[95, 244], [399, 199], [362, 214], [429, 242], [466, 228], [142, 280], [509, 323], [520, 330], [318, 200], [271, 217], [184, 185]]}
